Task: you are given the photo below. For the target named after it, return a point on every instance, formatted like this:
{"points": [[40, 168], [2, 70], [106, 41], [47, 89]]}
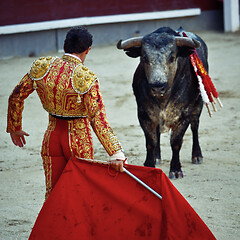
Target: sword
{"points": [[127, 172], [142, 183]]}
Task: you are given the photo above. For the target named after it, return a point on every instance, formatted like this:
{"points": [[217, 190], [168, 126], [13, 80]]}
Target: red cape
{"points": [[89, 203]]}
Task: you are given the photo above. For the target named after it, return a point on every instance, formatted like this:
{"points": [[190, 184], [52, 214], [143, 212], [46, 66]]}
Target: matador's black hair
{"points": [[77, 40]]}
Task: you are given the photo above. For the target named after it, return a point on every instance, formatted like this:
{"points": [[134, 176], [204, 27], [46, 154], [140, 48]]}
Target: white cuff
{"points": [[118, 155]]}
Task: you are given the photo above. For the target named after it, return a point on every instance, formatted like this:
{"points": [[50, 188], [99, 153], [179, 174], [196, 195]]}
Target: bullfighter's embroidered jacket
{"points": [[67, 89]]}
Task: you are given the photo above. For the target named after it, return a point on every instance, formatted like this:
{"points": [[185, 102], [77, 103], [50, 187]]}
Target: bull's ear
{"points": [[185, 51], [133, 52]]}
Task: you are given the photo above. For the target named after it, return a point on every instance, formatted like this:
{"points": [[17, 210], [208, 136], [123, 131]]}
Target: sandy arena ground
{"points": [[212, 188]]}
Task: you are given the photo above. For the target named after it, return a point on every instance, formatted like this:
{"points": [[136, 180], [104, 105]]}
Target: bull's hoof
{"points": [[175, 175], [197, 160]]}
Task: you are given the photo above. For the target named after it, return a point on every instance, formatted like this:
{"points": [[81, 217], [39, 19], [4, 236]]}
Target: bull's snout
{"points": [[159, 90]]}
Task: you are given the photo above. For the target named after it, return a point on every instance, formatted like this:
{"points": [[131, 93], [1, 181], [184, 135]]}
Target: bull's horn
{"points": [[188, 42], [131, 42]]}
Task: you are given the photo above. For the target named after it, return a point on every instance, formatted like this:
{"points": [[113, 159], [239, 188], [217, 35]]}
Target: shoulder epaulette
{"points": [[41, 67], [82, 79]]}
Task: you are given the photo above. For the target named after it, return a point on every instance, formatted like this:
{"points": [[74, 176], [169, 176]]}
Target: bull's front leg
{"points": [[152, 147], [176, 144], [157, 148], [152, 137]]}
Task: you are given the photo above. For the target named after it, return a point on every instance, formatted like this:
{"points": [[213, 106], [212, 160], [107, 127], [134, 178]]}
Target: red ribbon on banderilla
{"points": [[206, 87]]}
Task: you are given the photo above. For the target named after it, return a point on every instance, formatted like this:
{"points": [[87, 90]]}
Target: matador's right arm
{"points": [[16, 103]]}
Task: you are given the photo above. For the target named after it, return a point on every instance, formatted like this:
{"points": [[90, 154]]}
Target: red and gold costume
{"points": [[70, 93]]}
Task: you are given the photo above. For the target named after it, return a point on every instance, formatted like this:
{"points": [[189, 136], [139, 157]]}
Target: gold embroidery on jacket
{"points": [[58, 97], [16, 103], [97, 116], [82, 79], [56, 92], [40, 67]]}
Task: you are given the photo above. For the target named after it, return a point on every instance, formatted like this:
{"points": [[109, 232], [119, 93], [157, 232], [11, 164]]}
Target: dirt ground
{"points": [[211, 188]]}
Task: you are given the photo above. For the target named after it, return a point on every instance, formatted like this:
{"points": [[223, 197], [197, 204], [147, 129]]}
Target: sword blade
{"points": [[142, 183]]}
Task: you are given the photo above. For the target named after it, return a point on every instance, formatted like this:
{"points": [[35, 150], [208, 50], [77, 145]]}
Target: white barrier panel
{"points": [[231, 15], [84, 21]]}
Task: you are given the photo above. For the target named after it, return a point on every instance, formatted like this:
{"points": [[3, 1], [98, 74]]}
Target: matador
{"points": [[70, 93]]}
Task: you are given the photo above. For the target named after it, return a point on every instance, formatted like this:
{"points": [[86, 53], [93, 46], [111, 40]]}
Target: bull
{"points": [[166, 91]]}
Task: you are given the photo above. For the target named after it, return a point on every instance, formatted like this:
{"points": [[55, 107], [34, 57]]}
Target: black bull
{"points": [[166, 90]]}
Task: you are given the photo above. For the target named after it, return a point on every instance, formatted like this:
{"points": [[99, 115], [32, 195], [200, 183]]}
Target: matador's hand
{"points": [[117, 160], [18, 137], [117, 165]]}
